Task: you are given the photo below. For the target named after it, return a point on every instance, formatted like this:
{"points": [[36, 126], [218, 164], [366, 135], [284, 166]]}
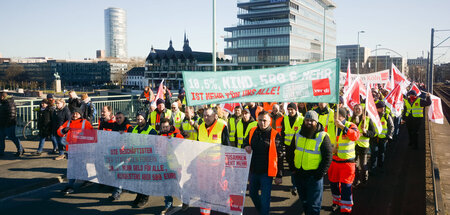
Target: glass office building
{"points": [[116, 33], [282, 32]]}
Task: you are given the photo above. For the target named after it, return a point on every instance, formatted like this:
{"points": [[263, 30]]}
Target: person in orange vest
{"points": [[277, 118], [254, 109], [107, 119], [268, 106], [312, 158], [266, 163], [76, 121], [342, 170], [147, 94]]}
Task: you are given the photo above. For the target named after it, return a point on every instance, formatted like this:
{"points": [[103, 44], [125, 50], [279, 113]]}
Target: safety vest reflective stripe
{"points": [[415, 109], [215, 136], [308, 151], [232, 127], [240, 131], [347, 202], [289, 131], [149, 129], [192, 134], [307, 155], [346, 147], [347, 151], [153, 122]]}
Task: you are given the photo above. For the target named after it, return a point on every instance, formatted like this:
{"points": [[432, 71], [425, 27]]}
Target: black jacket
{"points": [[88, 110], [59, 118], [260, 146], [73, 103], [325, 150], [45, 121], [7, 113], [123, 126]]}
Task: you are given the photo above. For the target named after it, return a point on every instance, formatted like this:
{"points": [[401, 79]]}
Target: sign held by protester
{"points": [[313, 82], [369, 78], [199, 174]]}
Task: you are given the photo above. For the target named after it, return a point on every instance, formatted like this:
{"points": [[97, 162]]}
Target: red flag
{"points": [[351, 96], [415, 88], [435, 113], [347, 79], [372, 110], [160, 93], [394, 100], [362, 89], [388, 86], [229, 107], [399, 78]]}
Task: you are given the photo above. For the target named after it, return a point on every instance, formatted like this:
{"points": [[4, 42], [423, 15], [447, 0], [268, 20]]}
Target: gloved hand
{"points": [[65, 130]]}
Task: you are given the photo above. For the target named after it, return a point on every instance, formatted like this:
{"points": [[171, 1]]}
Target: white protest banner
{"points": [[435, 113], [199, 174], [372, 111], [370, 78]]}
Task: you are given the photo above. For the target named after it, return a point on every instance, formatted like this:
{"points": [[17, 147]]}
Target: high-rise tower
{"points": [[116, 33]]}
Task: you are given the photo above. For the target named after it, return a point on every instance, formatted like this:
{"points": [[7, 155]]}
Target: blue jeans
{"points": [[168, 201], [264, 183], [397, 121], [377, 153], [9, 132], [61, 142], [42, 142], [310, 191]]}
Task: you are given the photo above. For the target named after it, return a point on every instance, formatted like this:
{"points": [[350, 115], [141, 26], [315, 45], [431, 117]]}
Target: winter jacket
{"points": [[87, 108], [7, 113], [73, 103], [73, 124], [174, 132], [125, 126], [45, 121], [59, 117], [106, 125]]}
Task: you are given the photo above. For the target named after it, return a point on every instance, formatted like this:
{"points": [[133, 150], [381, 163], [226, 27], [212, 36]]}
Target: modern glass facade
{"points": [[282, 32], [116, 33]]}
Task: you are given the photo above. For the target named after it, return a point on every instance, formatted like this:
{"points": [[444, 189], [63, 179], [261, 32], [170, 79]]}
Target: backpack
{"points": [[92, 108]]}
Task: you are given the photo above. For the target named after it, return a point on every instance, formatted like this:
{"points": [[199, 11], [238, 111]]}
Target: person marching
{"points": [[212, 131], [160, 112], [177, 115], [312, 158], [413, 115], [45, 113], [326, 118], [142, 127], [232, 122], [244, 126], [367, 130], [342, 170], [378, 143], [189, 125], [107, 119], [266, 163], [277, 118], [76, 121]]}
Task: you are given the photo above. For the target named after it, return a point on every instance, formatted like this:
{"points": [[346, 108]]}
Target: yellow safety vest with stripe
{"points": [[346, 147], [240, 131], [215, 136], [147, 131], [363, 141], [289, 131], [307, 153], [190, 130], [232, 126], [327, 120], [415, 109], [153, 123], [384, 127], [179, 117]]}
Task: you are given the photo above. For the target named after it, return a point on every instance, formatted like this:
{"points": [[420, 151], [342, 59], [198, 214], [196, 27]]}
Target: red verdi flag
{"points": [[160, 93], [435, 113], [415, 88], [399, 78], [394, 100], [229, 107], [351, 96], [372, 110], [347, 79]]}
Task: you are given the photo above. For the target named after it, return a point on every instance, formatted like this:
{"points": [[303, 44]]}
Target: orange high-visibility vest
{"points": [[273, 157]]}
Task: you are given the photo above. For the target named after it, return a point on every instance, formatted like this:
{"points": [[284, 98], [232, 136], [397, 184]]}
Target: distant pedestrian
{"points": [[413, 115], [61, 114], [44, 125], [74, 101], [8, 124], [88, 108]]}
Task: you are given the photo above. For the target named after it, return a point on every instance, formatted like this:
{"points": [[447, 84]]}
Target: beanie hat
{"points": [[246, 110], [380, 104], [77, 110], [292, 105], [412, 92], [49, 96], [312, 115], [159, 101]]}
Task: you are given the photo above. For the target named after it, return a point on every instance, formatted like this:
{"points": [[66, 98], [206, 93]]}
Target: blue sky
{"points": [[75, 29]]}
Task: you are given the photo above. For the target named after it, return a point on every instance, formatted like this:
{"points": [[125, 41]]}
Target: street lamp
{"points": [[376, 63], [357, 69], [325, 8], [214, 34], [387, 55]]}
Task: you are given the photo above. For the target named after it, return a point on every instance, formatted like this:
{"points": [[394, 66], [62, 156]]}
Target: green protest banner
{"points": [[313, 82]]}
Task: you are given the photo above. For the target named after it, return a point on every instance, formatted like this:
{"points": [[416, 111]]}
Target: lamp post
{"points": [[214, 35], [325, 8], [376, 63], [357, 69]]}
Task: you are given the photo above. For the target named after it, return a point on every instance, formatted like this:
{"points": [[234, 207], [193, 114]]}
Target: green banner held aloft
{"points": [[313, 82]]}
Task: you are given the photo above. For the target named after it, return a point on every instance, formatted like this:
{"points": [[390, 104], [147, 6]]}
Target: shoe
{"points": [[294, 191], [20, 153], [114, 197], [166, 210], [60, 157], [36, 153], [142, 201], [335, 208], [184, 207], [67, 191]]}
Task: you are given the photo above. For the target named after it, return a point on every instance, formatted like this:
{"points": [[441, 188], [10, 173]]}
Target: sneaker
{"points": [[20, 154], [67, 191], [335, 208], [60, 157], [166, 210], [294, 191], [36, 153], [184, 207]]}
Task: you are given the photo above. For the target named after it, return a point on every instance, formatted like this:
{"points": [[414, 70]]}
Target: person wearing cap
{"points": [[413, 115], [326, 118], [378, 143], [266, 163], [74, 101], [8, 123], [292, 122], [51, 100], [190, 123], [312, 158], [64, 130], [342, 169], [244, 126], [177, 115], [232, 122], [160, 112]]}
